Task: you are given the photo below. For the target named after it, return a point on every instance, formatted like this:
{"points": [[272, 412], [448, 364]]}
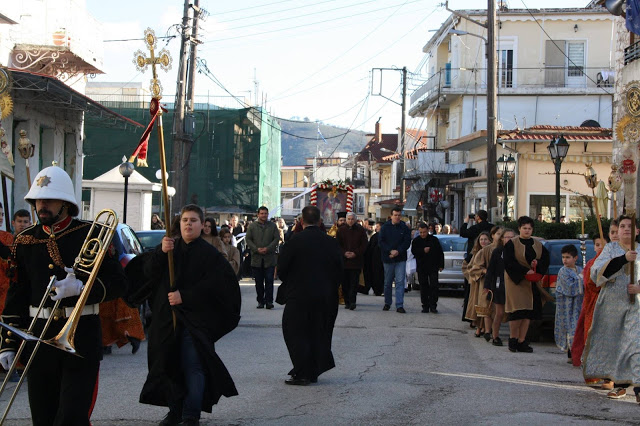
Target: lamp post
{"points": [[558, 149], [126, 170], [507, 166]]}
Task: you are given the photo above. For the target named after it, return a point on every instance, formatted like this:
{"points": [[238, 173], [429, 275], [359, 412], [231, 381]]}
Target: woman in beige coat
{"points": [[477, 272], [483, 240], [229, 251]]}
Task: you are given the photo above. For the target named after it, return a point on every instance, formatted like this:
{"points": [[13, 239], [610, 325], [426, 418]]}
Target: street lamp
{"points": [[558, 149], [126, 170], [460, 32], [507, 166]]}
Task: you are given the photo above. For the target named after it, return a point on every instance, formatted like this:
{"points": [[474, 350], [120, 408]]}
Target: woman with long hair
{"points": [[210, 234], [477, 272], [483, 240]]}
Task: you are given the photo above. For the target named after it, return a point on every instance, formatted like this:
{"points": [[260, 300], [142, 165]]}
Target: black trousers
{"points": [[428, 288], [350, 285], [62, 388]]}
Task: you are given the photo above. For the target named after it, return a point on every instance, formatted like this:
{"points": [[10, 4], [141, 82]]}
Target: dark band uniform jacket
{"points": [[310, 267], [61, 386], [35, 257], [373, 267], [210, 309]]}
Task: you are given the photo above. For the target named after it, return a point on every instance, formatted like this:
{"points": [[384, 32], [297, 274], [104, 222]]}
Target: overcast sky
{"points": [[311, 58]]}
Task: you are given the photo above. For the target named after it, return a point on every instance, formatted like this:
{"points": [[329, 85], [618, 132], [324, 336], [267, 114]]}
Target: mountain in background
{"points": [[296, 150]]}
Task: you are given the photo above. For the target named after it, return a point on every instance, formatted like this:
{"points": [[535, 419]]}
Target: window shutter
{"points": [[554, 63]]}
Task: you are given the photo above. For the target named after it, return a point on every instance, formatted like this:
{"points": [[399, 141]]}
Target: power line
{"points": [[349, 129], [376, 28], [276, 11], [306, 24], [251, 8]]}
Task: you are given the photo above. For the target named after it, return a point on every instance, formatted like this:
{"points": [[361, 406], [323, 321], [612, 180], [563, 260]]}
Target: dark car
{"points": [[549, 280], [126, 244], [150, 239]]}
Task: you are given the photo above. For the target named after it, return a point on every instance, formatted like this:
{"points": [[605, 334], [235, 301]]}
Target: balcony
{"points": [[632, 53], [60, 39], [513, 81]]}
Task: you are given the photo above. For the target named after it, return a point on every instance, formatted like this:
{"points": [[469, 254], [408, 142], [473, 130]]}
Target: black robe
{"points": [[310, 266], [373, 269], [210, 309]]}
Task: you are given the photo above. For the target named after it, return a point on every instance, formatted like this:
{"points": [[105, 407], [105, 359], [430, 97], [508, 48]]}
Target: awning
{"points": [[46, 90], [583, 158]]}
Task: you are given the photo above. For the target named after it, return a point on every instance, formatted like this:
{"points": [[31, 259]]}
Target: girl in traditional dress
{"points": [[477, 272], [483, 240], [523, 257], [494, 281], [612, 349]]}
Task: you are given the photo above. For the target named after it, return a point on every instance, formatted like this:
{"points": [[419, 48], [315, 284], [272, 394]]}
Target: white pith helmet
{"points": [[53, 183]]}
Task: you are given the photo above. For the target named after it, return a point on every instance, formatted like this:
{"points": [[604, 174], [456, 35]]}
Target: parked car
{"points": [[126, 244], [455, 248], [150, 239]]}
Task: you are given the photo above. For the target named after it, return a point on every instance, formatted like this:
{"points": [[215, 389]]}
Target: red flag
{"points": [[141, 149]]}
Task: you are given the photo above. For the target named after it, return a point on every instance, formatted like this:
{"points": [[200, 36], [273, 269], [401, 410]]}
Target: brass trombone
{"points": [[88, 261]]}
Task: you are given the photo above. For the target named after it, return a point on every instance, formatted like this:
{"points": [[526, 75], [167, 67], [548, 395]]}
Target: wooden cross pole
{"points": [[163, 59]]}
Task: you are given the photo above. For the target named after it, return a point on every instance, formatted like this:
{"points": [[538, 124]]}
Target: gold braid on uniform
{"points": [[52, 247]]}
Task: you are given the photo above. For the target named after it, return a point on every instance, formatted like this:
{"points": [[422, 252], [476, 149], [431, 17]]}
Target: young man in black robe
{"points": [[310, 267], [185, 373], [429, 260]]}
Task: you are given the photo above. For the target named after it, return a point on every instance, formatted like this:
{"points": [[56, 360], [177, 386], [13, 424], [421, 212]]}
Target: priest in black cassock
{"points": [[310, 266]]}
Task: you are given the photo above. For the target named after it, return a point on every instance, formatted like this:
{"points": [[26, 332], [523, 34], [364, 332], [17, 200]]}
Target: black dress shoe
{"points": [[346, 305], [169, 420], [269, 305], [425, 310], [135, 344], [524, 347], [433, 310], [294, 381], [260, 306], [189, 422], [401, 310], [386, 308], [352, 306]]}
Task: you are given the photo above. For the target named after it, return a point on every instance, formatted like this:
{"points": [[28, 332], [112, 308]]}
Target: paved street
{"points": [[391, 369]]}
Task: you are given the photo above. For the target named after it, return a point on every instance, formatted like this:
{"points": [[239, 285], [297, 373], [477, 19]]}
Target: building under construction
{"points": [[233, 163]]}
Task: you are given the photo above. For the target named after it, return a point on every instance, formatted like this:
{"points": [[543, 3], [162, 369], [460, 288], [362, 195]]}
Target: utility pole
{"points": [[403, 129], [492, 71], [180, 176]]}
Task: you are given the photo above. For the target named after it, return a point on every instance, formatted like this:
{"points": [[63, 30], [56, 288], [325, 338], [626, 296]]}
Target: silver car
{"points": [[455, 248]]}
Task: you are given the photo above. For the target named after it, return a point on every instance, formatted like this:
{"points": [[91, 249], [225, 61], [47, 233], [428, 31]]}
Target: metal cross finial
{"points": [[163, 59]]}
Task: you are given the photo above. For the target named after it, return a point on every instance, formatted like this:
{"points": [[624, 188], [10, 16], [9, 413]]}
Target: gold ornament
{"points": [[632, 99], [6, 105], [591, 176], [5, 81]]}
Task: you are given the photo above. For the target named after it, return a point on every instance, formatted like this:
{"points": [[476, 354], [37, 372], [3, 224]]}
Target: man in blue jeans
{"points": [[262, 239], [394, 241]]}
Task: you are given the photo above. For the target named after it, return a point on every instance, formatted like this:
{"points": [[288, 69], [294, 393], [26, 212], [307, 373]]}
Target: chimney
{"points": [[378, 136]]}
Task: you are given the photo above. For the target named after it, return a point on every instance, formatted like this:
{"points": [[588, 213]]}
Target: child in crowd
{"points": [[569, 296]]}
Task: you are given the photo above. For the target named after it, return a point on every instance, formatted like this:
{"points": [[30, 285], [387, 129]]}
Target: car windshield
{"points": [[453, 243], [152, 239]]}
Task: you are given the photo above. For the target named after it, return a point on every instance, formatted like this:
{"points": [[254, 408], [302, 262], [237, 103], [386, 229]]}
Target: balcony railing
{"points": [[632, 53], [516, 80]]}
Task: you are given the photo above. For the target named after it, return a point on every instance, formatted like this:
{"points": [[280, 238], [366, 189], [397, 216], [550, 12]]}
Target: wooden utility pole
{"points": [[403, 129], [180, 176], [492, 120]]}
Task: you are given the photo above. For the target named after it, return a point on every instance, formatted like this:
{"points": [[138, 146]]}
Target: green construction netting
{"points": [[234, 162]]}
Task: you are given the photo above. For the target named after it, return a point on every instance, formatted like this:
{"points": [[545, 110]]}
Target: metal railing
{"points": [[515, 80], [632, 53]]}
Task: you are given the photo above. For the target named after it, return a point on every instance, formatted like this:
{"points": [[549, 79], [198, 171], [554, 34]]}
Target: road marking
{"points": [[514, 381]]}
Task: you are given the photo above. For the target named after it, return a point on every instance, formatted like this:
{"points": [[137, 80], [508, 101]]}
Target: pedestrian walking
{"points": [[62, 386], [352, 239], [185, 373], [429, 261], [394, 240], [373, 266], [310, 266], [262, 239]]}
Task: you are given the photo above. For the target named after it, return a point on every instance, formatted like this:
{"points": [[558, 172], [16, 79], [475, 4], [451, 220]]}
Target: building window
{"points": [[359, 203], [297, 203], [575, 59], [505, 68]]}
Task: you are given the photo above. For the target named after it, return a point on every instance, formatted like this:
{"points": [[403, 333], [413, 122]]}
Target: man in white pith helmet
{"points": [[62, 387]]}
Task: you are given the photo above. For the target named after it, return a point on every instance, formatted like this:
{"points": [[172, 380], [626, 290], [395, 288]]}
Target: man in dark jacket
{"points": [[394, 240], [185, 373], [429, 261], [373, 268], [310, 266], [353, 242], [472, 232]]}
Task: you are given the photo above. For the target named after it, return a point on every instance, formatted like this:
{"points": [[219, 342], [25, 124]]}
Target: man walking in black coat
{"points": [[310, 267], [353, 242], [429, 261]]}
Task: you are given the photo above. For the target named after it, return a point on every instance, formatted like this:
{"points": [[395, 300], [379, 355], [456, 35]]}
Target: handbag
{"points": [[534, 277], [485, 311]]}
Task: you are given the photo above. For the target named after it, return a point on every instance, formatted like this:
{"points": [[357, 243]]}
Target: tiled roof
{"points": [[389, 141]]}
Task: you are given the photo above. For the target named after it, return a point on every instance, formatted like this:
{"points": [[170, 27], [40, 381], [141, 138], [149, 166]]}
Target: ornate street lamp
{"points": [[507, 166], [126, 170], [558, 149]]}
